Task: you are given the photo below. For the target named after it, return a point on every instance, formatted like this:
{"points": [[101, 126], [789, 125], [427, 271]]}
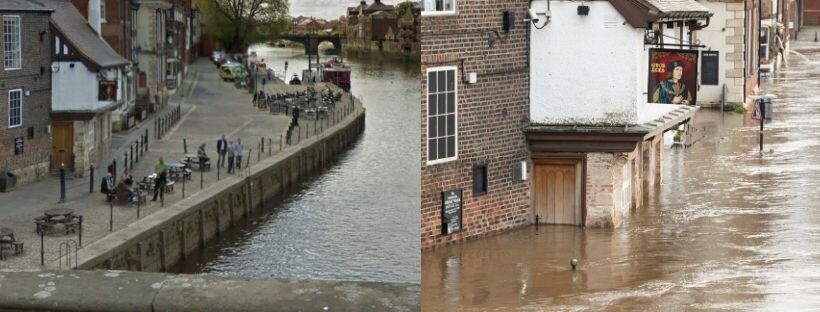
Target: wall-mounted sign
{"points": [[18, 145], [709, 67], [450, 212], [108, 90], [673, 76]]}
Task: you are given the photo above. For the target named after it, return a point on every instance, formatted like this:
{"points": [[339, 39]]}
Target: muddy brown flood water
{"points": [[730, 229]]}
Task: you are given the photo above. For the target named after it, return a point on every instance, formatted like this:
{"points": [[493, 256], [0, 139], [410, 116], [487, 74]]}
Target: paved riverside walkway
{"points": [[211, 108]]}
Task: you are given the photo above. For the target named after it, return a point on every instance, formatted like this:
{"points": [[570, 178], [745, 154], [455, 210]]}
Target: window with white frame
{"points": [[15, 108], [431, 7], [102, 11], [626, 188], [12, 58], [441, 114]]}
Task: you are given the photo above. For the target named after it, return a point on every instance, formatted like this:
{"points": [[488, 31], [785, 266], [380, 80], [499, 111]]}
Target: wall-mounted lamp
{"points": [[650, 37], [583, 10], [43, 34], [27, 93]]}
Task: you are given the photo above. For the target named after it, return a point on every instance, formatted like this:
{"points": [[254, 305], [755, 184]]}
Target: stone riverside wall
{"points": [[165, 237], [139, 291]]}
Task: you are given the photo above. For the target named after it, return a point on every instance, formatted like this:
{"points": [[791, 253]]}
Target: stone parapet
{"points": [[140, 291]]}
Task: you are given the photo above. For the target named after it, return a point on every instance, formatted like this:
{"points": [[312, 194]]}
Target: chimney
{"points": [[94, 17]]}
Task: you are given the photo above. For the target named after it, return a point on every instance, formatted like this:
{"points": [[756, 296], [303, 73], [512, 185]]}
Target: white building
{"points": [[87, 80], [595, 135]]}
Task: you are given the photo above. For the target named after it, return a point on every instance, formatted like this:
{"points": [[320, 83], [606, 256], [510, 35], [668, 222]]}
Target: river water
{"points": [[730, 229], [359, 220]]}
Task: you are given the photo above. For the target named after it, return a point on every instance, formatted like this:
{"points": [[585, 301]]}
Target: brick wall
{"points": [[36, 59], [491, 115]]}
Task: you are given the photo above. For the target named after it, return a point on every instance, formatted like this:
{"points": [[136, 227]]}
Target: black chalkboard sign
{"points": [[709, 67], [450, 212], [18, 146]]}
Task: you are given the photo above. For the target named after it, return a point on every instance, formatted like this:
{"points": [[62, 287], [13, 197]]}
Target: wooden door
{"points": [[556, 194], [63, 144]]}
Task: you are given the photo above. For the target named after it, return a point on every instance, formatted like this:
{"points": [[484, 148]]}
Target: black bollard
{"points": [[91, 184], [80, 235], [111, 216], [124, 162], [62, 183], [162, 196], [217, 171], [114, 172], [263, 144], [270, 146], [137, 156], [185, 145], [42, 248], [146, 140], [156, 128], [815, 36], [131, 156]]}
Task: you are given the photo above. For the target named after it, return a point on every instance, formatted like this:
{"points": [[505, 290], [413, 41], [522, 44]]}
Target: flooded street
{"points": [[359, 219], [730, 229]]}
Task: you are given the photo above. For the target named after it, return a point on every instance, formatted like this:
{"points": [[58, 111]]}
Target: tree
{"points": [[403, 7], [236, 24]]}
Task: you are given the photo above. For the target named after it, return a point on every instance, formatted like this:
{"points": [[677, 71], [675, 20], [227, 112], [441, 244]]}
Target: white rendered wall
{"points": [[74, 88], [715, 37], [586, 69]]}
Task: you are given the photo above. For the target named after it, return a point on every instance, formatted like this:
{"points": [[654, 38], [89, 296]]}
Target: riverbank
{"points": [[163, 238]]}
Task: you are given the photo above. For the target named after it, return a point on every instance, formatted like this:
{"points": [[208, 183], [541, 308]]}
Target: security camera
{"points": [[536, 17], [533, 15]]}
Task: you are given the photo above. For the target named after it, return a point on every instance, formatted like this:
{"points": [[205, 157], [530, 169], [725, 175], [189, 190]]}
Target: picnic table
{"points": [[52, 217], [7, 241]]}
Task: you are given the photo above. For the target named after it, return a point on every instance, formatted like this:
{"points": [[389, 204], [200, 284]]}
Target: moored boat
{"points": [[336, 72]]}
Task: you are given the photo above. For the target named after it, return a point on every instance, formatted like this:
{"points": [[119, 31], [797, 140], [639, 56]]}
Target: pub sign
{"points": [[673, 76], [450, 212], [18, 145], [108, 90]]}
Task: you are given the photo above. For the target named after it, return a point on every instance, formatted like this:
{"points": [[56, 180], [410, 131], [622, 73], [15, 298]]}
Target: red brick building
{"points": [[25, 89], [471, 133]]}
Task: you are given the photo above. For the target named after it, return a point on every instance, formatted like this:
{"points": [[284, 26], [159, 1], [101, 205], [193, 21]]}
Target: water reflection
{"points": [[731, 228], [360, 219]]}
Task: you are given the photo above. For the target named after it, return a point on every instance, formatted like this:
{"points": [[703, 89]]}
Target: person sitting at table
{"points": [[128, 187], [107, 187], [203, 157]]}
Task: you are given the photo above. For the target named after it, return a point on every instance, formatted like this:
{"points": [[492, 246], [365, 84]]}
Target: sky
{"points": [[327, 9]]}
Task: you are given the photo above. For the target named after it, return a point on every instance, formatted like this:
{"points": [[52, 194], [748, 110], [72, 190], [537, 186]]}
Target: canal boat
{"points": [[336, 72]]}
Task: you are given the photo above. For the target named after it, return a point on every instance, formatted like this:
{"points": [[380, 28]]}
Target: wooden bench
{"points": [[42, 224], [206, 165], [169, 187], [71, 225]]}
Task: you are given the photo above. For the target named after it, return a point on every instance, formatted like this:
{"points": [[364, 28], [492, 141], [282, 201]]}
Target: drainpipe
{"points": [[757, 35]]}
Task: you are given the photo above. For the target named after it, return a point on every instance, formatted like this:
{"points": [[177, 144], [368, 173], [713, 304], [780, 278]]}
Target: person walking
{"points": [[295, 116], [238, 153], [221, 148], [160, 169], [230, 157]]}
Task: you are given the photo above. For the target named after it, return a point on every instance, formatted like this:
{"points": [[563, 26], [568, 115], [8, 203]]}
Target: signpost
{"points": [[762, 111], [450, 211]]}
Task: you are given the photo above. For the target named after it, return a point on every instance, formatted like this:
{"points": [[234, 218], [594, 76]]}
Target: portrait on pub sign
{"points": [[673, 76]]}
